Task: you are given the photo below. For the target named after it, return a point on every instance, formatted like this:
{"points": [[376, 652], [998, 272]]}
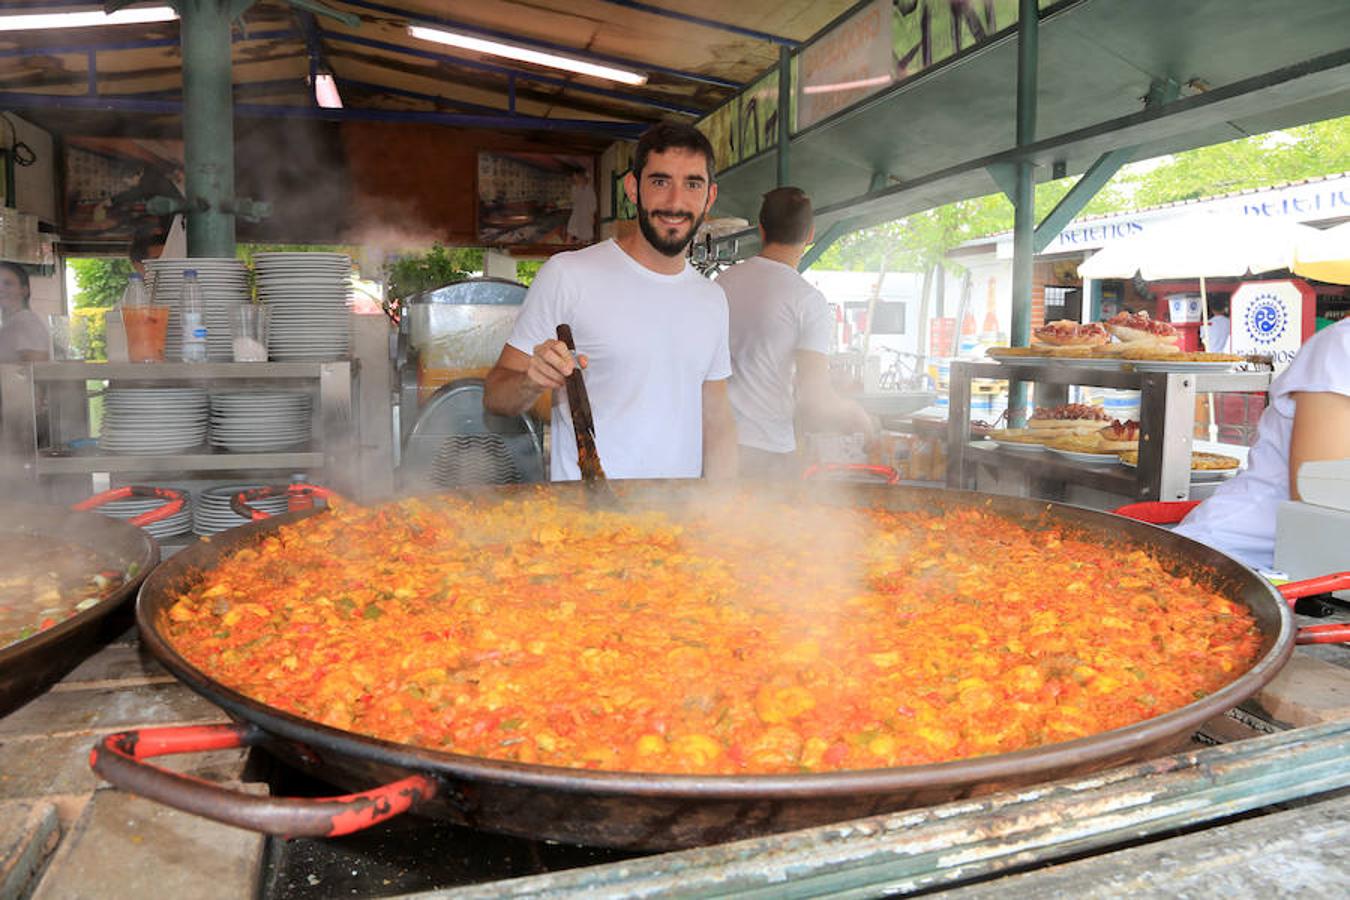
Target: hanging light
{"points": [[525, 54], [326, 91], [34, 21]]}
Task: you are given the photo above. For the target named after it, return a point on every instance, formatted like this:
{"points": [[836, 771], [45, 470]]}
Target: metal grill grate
{"points": [[465, 459]]}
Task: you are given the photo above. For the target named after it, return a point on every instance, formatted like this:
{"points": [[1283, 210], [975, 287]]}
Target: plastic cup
{"points": [[146, 327], [248, 328], [63, 345]]}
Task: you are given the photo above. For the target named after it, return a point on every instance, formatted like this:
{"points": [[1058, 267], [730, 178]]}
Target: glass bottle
{"points": [[192, 317]]}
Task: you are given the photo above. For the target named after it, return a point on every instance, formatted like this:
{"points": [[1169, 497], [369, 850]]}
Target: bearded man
{"points": [[650, 332]]}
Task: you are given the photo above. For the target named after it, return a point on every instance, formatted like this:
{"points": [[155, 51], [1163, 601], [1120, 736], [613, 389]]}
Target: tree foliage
{"points": [[918, 242], [100, 281]]}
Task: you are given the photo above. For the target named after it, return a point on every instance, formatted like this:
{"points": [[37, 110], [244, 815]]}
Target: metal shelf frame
{"points": [[1166, 419], [23, 388]]}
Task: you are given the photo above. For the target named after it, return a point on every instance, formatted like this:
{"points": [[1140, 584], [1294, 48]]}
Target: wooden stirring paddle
{"points": [[583, 425]]}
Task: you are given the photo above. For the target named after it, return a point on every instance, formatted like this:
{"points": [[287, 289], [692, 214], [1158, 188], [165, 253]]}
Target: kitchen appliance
{"points": [[448, 339], [651, 811], [451, 332], [456, 442]]}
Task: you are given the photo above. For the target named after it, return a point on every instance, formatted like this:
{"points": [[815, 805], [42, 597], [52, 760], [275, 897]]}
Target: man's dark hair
{"points": [[22, 274], [786, 217], [665, 136]]}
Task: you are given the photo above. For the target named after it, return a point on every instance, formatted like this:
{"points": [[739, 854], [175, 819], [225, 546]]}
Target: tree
{"points": [[921, 241], [99, 282]]}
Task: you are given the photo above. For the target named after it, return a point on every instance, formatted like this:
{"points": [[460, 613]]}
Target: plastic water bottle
{"points": [[134, 294], [192, 317]]}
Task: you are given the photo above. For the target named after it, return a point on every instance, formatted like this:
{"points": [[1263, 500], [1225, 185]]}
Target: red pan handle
{"points": [[1323, 584], [1334, 633], [117, 758], [815, 470], [300, 496], [175, 499], [1157, 512]]}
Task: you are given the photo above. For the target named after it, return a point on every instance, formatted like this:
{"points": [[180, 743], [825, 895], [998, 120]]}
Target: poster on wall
{"points": [[759, 117], [849, 63], [1271, 318], [108, 184], [720, 129], [536, 198]]}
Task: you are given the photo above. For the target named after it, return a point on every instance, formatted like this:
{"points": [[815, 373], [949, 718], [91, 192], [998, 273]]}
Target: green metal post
{"points": [[784, 112], [1024, 200], [208, 126]]}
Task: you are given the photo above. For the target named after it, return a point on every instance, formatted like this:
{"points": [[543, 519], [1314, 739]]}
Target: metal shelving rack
{"points": [[1166, 417], [25, 460]]}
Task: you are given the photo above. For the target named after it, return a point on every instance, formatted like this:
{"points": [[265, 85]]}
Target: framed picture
{"points": [[109, 181], [536, 198]]}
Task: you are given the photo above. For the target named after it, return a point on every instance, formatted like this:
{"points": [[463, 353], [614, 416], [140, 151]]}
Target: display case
{"points": [[1166, 418], [45, 434]]}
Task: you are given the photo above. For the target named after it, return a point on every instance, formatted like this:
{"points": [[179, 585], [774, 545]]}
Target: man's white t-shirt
{"points": [[774, 312], [23, 331], [651, 339], [1239, 517]]}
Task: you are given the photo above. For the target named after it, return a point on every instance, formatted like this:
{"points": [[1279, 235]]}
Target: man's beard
{"points": [[666, 247]]}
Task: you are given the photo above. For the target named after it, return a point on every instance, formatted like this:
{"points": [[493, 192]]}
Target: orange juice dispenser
{"points": [[449, 337]]}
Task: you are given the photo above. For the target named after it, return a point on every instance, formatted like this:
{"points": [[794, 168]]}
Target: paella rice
{"points": [[733, 637]]}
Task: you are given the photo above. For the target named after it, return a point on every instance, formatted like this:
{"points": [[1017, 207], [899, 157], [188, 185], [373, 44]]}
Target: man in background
{"points": [[781, 329], [1215, 337]]}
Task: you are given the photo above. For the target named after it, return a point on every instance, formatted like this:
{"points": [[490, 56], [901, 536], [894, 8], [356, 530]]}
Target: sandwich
{"points": [[1119, 436], [1139, 328], [1070, 418], [1068, 333]]}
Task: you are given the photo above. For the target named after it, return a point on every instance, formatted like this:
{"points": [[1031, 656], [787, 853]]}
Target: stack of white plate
{"points": [[310, 298], [153, 420], [178, 523], [224, 284], [259, 421], [211, 513]]}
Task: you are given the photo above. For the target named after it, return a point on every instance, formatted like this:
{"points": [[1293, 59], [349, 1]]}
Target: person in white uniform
{"points": [[1308, 419], [650, 332], [781, 330], [581, 223], [1215, 336], [23, 336]]}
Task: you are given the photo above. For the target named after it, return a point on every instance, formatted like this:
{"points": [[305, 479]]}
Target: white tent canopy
{"points": [[1201, 246], [1325, 256]]}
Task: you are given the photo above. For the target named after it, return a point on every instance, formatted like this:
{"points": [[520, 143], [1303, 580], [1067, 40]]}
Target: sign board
{"points": [[849, 63], [1272, 318]]}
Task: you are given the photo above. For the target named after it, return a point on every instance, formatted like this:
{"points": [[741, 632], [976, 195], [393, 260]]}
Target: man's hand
{"points": [[517, 380], [551, 363]]}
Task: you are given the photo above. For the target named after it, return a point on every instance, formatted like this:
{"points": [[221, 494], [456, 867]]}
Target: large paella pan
{"points": [[655, 809]]}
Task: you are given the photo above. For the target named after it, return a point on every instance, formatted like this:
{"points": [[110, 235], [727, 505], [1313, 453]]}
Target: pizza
{"points": [[1141, 328], [1200, 462], [1068, 333]]}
